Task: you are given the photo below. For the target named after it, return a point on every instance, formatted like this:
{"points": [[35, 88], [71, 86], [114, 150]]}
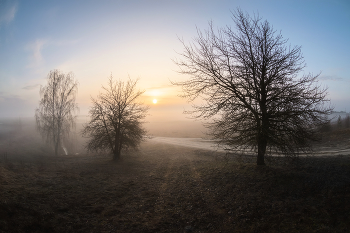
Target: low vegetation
{"points": [[164, 188]]}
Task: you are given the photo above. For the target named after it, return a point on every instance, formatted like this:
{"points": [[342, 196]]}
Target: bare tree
{"points": [[339, 123], [248, 79], [54, 117], [116, 118]]}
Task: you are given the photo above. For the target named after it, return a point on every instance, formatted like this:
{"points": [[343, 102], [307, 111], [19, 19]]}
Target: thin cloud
{"points": [[159, 91], [36, 48], [10, 98], [7, 12], [31, 87]]}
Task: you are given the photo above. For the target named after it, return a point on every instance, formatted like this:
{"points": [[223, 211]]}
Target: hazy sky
{"points": [[140, 38]]}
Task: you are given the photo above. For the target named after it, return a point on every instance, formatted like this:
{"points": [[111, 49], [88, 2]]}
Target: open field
{"points": [[168, 188]]}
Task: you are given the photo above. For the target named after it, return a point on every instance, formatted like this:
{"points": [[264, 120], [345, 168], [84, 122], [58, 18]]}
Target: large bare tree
{"points": [[55, 115], [249, 80], [116, 118]]}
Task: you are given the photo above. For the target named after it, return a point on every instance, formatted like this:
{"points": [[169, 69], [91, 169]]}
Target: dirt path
{"points": [[169, 188]]}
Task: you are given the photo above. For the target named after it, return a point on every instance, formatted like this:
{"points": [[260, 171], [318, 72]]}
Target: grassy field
{"points": [[165, 188]]}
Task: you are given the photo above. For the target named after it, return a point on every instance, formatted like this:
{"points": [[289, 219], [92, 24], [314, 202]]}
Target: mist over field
{"points": [[174, 116], [169, 184], [19, 136]]}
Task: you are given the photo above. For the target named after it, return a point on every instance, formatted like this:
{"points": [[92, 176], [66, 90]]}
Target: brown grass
{"points": [[336, 138], [164, 188]]}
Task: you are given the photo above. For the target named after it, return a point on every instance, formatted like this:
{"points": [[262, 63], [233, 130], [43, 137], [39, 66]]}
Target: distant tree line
{"points": [[339, 124]]}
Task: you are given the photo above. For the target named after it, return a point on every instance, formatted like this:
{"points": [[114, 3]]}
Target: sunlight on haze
{"points": [[140, 40]]}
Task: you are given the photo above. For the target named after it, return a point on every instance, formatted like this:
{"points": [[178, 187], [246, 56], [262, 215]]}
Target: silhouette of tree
{"points": [[54, 117], [347, 121], [116, 116], [248, 80], [339, 123]]}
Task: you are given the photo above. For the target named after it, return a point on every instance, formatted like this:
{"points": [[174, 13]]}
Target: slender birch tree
{"points": [[55, 115]]}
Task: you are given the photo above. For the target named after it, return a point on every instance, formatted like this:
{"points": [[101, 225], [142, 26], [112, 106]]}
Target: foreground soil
{"points": [[166, 188]]}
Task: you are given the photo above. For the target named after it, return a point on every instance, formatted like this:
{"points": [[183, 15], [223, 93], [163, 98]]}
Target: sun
{"points": [[155, 101]]}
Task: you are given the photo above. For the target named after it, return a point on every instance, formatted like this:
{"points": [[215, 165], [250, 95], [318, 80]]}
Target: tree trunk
{"points": [[117, 143], [261, 151], [116, 152], [56, 148], [116, 155]]}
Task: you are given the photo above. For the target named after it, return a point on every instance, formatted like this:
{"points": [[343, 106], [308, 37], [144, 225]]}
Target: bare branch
{"points": [[54, 117], [248, 78], [116, 118]]}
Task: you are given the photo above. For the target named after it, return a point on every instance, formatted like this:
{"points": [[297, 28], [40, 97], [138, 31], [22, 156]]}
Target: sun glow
{"points": [[155, 101]]}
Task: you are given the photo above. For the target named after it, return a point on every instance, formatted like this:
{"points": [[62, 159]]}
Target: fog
{"points": [[19, 136], [180, 129], [177, 180], [177, 175], [20, 139]]}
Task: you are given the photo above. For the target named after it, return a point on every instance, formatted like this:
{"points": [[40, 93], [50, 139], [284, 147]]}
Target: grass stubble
{"points": [[165, 188]]}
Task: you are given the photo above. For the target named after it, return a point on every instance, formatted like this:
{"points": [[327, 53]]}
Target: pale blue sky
{"points": [[140, 38]]}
